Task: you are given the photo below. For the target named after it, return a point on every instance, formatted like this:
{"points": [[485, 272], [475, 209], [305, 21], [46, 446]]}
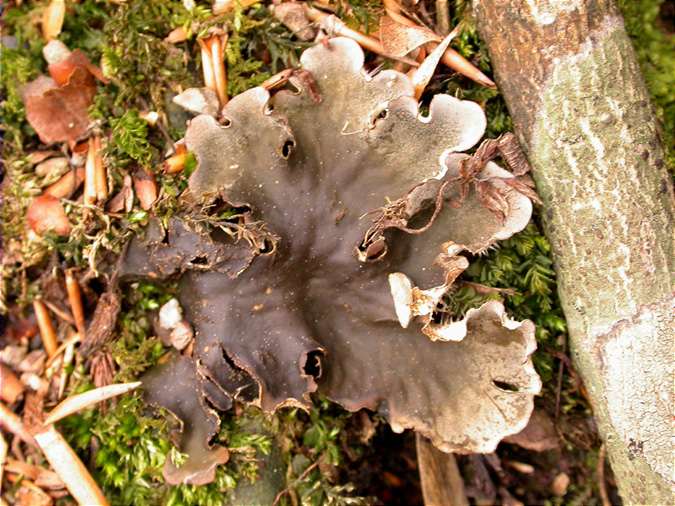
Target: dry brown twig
{"points": [[47, 332], [335, 27], [442, 17], [68, 356], [213, 63], [602, 486], [450, 57], [3, 457], [95, 179], [71, 339], [60, 313], [75, 301]]}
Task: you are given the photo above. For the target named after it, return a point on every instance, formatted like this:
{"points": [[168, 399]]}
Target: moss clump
{"points": [[655, 48]]}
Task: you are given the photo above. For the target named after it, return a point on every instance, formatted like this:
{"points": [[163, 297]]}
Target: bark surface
{"points": [[581, 111]]}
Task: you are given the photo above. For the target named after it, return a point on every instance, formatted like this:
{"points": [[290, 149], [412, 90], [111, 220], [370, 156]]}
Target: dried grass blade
{"points": [[426, 70], [207, 65], [90, 174], [100, 174], [52, 19], [3, 457], [12, 423], [69, 467], [87, 399]]}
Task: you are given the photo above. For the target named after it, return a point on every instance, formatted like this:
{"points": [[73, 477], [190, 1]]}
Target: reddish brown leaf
{"points": [[145, 188], [399, 39], [46, 214], [59, 113], [539, 435]]}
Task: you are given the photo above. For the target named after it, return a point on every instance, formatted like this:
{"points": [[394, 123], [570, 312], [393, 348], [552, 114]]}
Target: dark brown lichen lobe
{"points": [[311, 311]]}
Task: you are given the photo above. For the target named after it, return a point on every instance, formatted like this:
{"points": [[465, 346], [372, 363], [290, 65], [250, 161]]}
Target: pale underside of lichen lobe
{"points": [[310, 313]]}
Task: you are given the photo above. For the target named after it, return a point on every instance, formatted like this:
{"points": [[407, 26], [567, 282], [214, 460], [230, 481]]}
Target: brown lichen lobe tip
{"points": [[274, 324]]}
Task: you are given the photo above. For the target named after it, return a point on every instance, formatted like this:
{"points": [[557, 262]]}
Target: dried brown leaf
{"points": [[399, 39], [46, 214], [145, 188]]}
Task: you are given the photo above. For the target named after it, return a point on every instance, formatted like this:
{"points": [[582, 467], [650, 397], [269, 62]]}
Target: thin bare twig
{"points": [[3, 457], [442, 17], [298, 479], [47, 332], [75, 301], [604, 497]]}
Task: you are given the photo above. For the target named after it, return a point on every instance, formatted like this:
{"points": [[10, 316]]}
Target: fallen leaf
{"points": [[399, 39], [59, 113], [52, 19], [46, 214], [56, 106], [426, 70], [11, 387], [124, 199], [294, 17], [66, 185], [539, 435], [145, 188]]}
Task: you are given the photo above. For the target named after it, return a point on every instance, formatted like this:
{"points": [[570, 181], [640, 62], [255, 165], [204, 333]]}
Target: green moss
{"points": [[130, 139], [656, 53]]}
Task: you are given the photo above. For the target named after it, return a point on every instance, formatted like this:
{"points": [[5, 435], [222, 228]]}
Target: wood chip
{"points": [[102, 324], [441, 481], [11, 387]]}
